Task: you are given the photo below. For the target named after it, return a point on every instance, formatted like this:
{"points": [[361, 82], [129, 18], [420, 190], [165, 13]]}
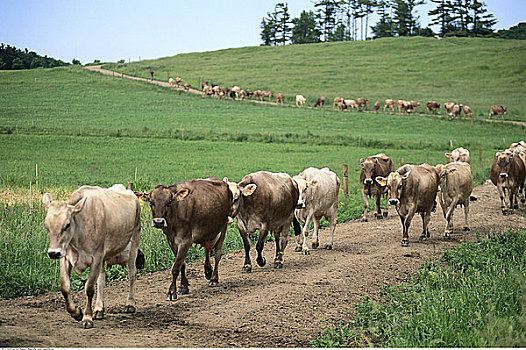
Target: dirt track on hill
{"points": [[265, 308]]}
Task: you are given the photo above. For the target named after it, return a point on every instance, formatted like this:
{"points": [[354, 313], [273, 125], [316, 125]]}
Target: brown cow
{"points": [[362, 103], [341, 106], [456, 185], [455, 111], [194, 211], [372, 167], [497, 110], [94, 226], [390, 104], [508, 174], [336, 102], [414, 104], [467, 112], [458, 155], [279, 98], [404, 107], [266, 203], [320, 102], [432, 106], [413, 189], [376, 107], [186, 86], [448, 106]]}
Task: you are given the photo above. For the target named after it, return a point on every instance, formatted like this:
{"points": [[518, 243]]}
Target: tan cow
{"points": [[467, 112], [458, 155], [267, 202], [362, 103], [413, 189], [508, 174], [372, 167], [415, 105], [432, 106], [336, 101], [280, 98], [455, 111], [390, 104], [448, 107], [376, 107], [404, 107], [456, 185], [497, 111], [171, 81], [351, 103], [94, 226], [318, 198], [178, 80], [320, 102], [341, 106], [300, 100]]}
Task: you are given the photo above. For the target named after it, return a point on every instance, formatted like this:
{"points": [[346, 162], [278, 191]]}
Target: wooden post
{"points": [[130, 186], [451, 143], [480, 157], [135, 174], [30, 198], [346, 179], [401, 161]]}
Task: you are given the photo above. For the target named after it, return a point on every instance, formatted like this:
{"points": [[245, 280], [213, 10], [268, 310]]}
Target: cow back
{"points": [[324, 195], [456, 181], [420, 188]]}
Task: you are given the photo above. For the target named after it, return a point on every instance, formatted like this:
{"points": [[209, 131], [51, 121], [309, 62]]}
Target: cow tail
{"points": [[140, 261], [297, 226]]}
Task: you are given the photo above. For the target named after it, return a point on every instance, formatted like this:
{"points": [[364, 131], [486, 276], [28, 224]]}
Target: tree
{"points": [[515, 32], [17, 63], [384, 26], [282, 23], [442, 14], [305, 29], [326, 11], [405, 22], [75, 61], [482, 21]]}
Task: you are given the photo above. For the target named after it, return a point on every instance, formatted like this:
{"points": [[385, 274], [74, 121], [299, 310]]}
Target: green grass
{"points": [[474, 296], [478, 72]]}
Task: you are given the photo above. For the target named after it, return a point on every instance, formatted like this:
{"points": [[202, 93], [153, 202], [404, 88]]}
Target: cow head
{"points": [[395, 183], [246, 190], [236, 196], [161, 199], [303, 185], [503, 163], [60, 223], [369, 170]]}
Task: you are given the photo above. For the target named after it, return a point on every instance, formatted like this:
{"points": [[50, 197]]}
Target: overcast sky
{"points": [[110, 30]]}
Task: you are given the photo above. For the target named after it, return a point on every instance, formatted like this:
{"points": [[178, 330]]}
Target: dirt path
{"points": [[265, 308]]}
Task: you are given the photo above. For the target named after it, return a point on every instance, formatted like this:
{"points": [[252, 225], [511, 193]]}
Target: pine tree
{"points": [[384, 26], [442, 14], [326, 15], [305, 29], [482, 21], [406, 23], [283, 23], [268, 29]]}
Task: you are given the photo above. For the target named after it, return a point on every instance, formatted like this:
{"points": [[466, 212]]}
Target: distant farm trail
{"points": [[99, 69], [265, 308]]}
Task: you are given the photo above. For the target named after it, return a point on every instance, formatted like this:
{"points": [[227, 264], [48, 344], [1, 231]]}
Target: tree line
{"points": [[344, 20], [13, 58]]}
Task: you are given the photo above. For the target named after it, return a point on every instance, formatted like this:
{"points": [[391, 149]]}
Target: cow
{"points": [[171, 81], [280, 98], [242, 95], [376, 107], [432, 106], [336, 102], [467, 112], [351, 103], [258, 94], [404, 107], [318, 198], [362, 103], [320, 102], [413, 189], [456, 185], [497, 111], [389, 103], [458, 155], [448, 107], [415, 105], [372, 167], [250, 93], [341, 106], [519, 150], [195, 211], [455, 111], [508, 174], [96, 225], [300, 100], [186, 86], [236, 90], [266, 203]]}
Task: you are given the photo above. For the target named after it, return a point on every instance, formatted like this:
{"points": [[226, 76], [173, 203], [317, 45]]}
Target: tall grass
{"points": [[474, 296]]}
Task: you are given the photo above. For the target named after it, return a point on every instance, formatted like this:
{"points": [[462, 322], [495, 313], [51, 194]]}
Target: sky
{"points": [[110, 30]]}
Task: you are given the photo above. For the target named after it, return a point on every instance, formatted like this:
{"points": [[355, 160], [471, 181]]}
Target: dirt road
{"points": [[265, 308]]}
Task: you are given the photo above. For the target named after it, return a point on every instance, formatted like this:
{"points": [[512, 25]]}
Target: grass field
{"points": [[84, 128]]}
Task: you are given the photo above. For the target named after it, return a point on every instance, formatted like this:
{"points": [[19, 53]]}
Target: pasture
{"points": [[83, 128]]}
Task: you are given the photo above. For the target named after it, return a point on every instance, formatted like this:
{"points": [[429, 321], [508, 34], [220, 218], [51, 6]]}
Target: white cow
{"points": [[300, 100]]}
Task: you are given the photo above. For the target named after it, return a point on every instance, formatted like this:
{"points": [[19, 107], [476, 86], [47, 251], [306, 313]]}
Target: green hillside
{"points": [[474, 71]]}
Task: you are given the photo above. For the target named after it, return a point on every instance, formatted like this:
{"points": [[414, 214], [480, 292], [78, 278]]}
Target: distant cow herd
{"points": [[98, 226], [452, 110]]}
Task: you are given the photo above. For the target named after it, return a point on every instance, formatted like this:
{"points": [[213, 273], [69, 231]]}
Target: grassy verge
{"points": [[474, 296]]}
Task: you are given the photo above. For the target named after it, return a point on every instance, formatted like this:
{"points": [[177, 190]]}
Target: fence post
{"points": [[346, 179], [480, 157], [130, 186], [401, 161]]}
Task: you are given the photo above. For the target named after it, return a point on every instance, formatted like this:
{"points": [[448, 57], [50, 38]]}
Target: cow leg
{"points": [[466, 212], [426, 217], [182, 251], [132, 273], [511, 194], [448, 215], [332, 226], [247, 267], [386, 208], [280, 249], [98, 311], [377, 206], [365, 205], [406, 223], [65, 288], [305, 232], [87, 319], [263, 232], [208, 265], [502, 196], [183, 288], [315, 239], [218, 252]]}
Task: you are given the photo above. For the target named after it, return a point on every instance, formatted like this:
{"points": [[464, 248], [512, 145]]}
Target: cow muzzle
{"points": [[503, 175], [159, 223], [300, 205], [368, 181], [54, 253], [394, 201]]}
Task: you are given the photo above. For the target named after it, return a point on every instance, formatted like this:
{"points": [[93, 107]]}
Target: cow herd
{"points": [[99, 226]]}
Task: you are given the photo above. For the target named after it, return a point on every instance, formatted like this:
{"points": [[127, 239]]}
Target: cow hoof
{"points": [[379, 217], [315, 245], [523, 200], [98, 315], [86, 324], [363, 220], [405, 243], [208, 274], [516, 206], [446, 234], [278, 265], [298, 249], [213, 283], [422, 238], [261, 262], [386, 214], [306, 252], [247, 268], [171, 297], [328, 247], [511, 211], [466, 229], [129, 309], [78, 316], [183, 291]]}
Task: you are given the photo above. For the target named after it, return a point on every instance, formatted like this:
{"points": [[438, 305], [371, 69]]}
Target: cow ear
{"points": [[78, 206], [248, 190], [143, 197], [382, 181], [361, 161], [46, 200], [313, 183], [182, 194], [447, 155], [225, 179], [406, 175]]}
